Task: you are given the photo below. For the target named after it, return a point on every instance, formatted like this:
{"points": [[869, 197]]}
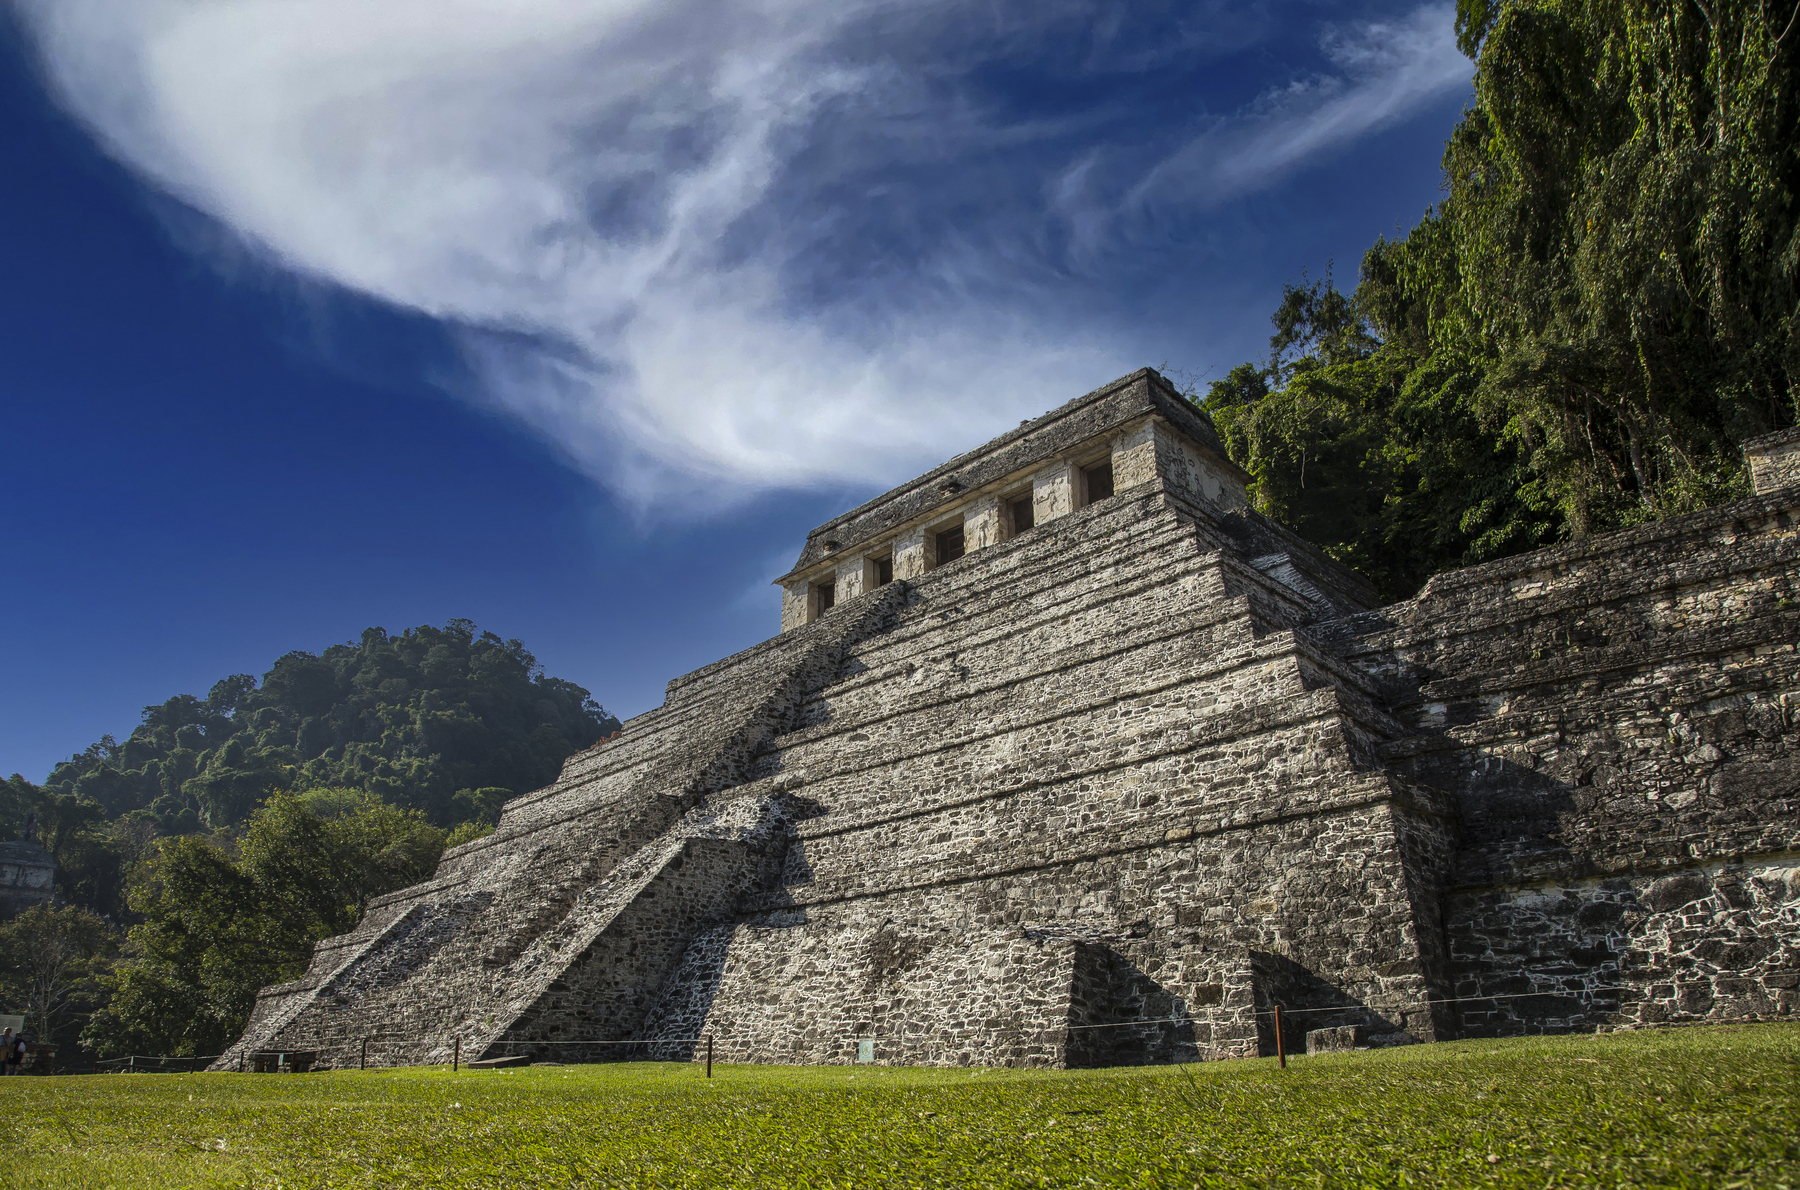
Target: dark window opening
{"points": [[950, 545], [884, 571], [1023, 516], [1098, 481], [827, 596]]}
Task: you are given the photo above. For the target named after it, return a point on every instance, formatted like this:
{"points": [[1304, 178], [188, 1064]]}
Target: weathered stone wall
{"points": [[1111, 788], [1614, 720]]}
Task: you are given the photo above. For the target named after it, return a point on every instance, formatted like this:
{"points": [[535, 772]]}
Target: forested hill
{"points": [[449, 721], [1582, 332]]}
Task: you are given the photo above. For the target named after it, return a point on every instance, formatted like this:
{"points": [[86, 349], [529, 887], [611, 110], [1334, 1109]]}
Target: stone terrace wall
{"points": [[1615, 721]]}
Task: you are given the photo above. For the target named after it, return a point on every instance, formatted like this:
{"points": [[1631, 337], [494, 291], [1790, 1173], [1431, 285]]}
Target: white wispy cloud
{"points": [[691, 243], [1383, 72], [1387, 70]]}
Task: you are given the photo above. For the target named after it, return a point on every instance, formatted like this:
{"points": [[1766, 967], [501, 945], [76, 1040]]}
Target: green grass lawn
{"points": [[1713, 1107]]}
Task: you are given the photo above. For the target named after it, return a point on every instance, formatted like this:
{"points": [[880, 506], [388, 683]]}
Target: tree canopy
{"points": [[221, 918], [51, 964], [449, 721], [1581, 333]]}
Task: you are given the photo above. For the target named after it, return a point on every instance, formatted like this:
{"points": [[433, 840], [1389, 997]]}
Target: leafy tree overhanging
{"points": [[1581, 333]]}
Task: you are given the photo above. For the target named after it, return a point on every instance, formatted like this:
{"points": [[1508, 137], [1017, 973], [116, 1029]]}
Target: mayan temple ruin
{"points": [[1065, 756]]}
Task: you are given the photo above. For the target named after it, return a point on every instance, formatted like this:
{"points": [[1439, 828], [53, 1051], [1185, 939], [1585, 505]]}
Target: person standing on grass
{"points": [[15, 1054], [6, 1051]]}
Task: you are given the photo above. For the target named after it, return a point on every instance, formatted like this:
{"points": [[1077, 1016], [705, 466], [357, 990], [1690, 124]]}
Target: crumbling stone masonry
{"points": [[1064, 756]]}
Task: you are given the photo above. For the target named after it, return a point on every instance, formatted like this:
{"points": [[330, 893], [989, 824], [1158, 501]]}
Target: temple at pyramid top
{"points": [[1136, 430]]}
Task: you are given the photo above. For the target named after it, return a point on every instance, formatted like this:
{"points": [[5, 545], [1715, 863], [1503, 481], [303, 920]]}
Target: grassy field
{"points": [[1714, 1107]]}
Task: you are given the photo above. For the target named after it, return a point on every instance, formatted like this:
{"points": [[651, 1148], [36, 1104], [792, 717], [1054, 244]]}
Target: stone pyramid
{"points": [[1065, 756]]}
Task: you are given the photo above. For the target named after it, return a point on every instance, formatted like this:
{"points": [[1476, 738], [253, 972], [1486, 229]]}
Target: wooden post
{"points": [[1280, 1051], [709, 1055], [362, 1063], [456, 1056]]}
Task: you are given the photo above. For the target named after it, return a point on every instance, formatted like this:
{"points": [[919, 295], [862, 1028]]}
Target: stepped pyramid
{"points": [[1065, 756]]}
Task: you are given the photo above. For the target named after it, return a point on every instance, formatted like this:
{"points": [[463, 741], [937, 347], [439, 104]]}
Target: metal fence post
{"points": [[709, 1055], [362, 1063], [456, 1057]]}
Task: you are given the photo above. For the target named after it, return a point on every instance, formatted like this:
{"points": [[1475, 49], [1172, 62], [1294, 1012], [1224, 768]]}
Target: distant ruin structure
{"points": [[1065, 756], [27, 872]]}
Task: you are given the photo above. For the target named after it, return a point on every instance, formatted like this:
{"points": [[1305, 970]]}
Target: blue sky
{"points": [[572, 316]]}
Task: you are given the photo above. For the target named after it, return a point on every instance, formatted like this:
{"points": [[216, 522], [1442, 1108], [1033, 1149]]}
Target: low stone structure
{"points": [[1065, 756]]}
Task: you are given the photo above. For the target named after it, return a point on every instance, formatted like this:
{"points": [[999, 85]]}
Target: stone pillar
{"points": [[794, 598], [981, 524], [1197, 475], [1774, 460], [1134, 456], [909, 555], [1053, 492], [851, 579]]}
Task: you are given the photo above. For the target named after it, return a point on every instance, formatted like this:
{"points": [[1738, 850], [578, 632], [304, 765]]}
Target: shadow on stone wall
{"points": [[1107, 992], [682, 1016], [1309, 1002], [684, 1003], [1512, 820], [1631, 950]]}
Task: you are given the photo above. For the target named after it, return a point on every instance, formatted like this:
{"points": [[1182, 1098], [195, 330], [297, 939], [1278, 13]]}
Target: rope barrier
{"points": [[1447, 1000], [166, 1063], [1342, 1008], [158, 1058], [636, 1041]]}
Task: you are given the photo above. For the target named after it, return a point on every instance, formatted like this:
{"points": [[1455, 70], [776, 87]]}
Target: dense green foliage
{"points": [[220, 919], [449, 721], [1579, 335], [52, 963], [1689, 1108], [92, 855], [186, 830]]}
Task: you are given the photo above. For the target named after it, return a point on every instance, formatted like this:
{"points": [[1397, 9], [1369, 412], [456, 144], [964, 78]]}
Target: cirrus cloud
{"points": [[758, 244]]}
